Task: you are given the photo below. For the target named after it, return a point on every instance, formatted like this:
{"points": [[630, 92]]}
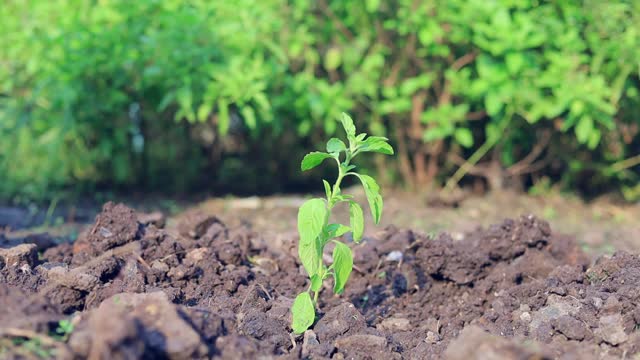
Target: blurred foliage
{"points": [[190, 95]]}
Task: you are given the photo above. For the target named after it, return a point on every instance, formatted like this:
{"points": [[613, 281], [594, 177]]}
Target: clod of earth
{"points": [[22, 256], [512, 291]]}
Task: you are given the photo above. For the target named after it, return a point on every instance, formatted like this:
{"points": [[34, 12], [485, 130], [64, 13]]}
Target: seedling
{"points": [[64, 330], [313, 219]]}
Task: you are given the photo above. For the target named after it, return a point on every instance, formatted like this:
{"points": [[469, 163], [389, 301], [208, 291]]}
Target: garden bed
{"points": [[132, 289]]}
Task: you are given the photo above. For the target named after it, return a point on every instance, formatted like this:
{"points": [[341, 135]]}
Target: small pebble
{"points": [[432, 337], [597, 302], [394, 256], [525, 307], [558, 290]]}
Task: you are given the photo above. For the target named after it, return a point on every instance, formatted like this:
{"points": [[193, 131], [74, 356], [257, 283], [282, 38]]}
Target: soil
{"points": [[203, 289]]}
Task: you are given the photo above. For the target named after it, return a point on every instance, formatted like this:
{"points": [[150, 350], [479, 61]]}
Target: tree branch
{"points": [[521, 166], [464, 60], [339, 24], [409, 48], [476, 115]]}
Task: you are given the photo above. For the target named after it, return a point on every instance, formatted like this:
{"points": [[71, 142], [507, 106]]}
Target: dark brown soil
{"points": [[133, 290]]}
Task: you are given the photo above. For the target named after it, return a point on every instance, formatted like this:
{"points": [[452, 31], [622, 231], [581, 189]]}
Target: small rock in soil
{"points": [[155, 218], [597, 302], [195, 225], [20, 255], [19, 311], [364, 346], [109, 334], [254, 321], [395, 324], [281, 309], [611, 330], [394, 256], [567, 274], [473, 343], [432, 324], [146, 321], [234, 347], [208, 324], [72, 279], [116, 225], [310, 344], [265, 265], [340, 320], [570, 327], [556, 307], [197, 255], [432, 337], [611, 306], [259, 325]]}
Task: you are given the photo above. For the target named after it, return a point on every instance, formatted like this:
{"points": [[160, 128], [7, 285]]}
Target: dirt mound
{"points": [[514, 290]]}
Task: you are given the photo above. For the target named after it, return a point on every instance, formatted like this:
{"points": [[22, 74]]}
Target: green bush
{"points": [[449, 80], [209, 94]]}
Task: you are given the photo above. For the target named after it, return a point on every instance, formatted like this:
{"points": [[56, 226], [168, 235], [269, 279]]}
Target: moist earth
{"points": [[133, 289]]}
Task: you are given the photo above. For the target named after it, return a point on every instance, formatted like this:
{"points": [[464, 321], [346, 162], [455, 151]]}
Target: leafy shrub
{"points": [[165, 93], [93, 91], [448, 80]]}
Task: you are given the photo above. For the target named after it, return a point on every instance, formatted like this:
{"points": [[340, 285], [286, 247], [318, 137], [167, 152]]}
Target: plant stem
{"points": [[476, 156], [341, 175], [330, 204], [625, 164]]}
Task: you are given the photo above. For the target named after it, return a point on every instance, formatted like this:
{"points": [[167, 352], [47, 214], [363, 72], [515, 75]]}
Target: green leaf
{"points": [[335, 145], [346, 169], [302, 312], [316, 282], [313, 159], [583, 129], [262, 102], [341, 231], [348, 125], [372, 190], [311, 217], [223, 116], [203, 111], [372, 5], [332, 59], [464, 137], [249, 117], [342, 265], [594, 139], [515, 62], [361, 137], [376, 144], [357, 220], [327, 188], [336, 230], [331, 228], [436, 133], [493, 104]]}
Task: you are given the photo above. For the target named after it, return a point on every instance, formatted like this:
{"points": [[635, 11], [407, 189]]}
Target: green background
{"points": [[226, 96]]}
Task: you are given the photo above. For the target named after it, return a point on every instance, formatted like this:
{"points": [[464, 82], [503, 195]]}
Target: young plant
{"points": [[313, 219], [64, 330]]}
